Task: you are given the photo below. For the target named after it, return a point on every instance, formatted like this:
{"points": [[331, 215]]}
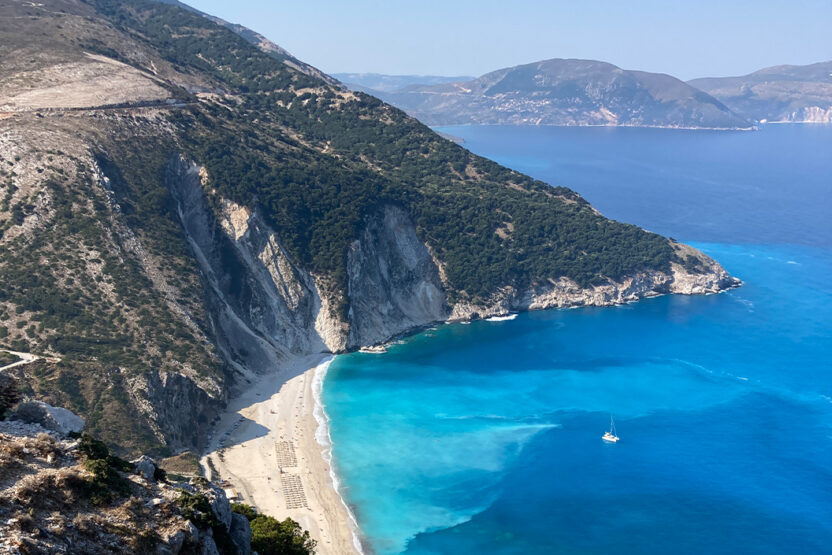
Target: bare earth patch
{"points": [[97, 81]]}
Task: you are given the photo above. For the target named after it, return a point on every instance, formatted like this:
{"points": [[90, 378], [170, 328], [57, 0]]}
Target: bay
{"points": [[485, 438]]}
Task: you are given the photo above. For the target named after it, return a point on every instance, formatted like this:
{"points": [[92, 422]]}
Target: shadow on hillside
{"points": [[241, 431]]}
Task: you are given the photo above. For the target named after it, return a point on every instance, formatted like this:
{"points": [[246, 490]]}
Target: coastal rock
{"points": [[393, 284], [268, 309], [706, 277]]}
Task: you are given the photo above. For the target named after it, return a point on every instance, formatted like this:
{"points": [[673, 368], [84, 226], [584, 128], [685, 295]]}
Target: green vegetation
{"points": [[103, 276], [196, 507], [270, 536], [347, 155], [78, 288], [6, 357], [107, 481], [246, 510]]}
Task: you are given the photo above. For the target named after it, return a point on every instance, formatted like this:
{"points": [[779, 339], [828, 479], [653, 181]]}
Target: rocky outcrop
{"points": [[52, 500], [266, 308], [241, 533], [705, 277], [145, 467], [812, 114], [174, 406], [55, 419], [394, 284]]}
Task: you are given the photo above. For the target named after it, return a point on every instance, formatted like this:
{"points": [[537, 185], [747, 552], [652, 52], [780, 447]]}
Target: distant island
{"points": [[782, 94], [557, 92]]}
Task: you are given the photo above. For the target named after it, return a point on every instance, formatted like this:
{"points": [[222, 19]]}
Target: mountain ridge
{"points": [[566, 92], [784, 93], [182, 212]]}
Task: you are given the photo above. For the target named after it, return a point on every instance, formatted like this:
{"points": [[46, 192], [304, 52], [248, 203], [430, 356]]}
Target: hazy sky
{"points": [[470, 37]]}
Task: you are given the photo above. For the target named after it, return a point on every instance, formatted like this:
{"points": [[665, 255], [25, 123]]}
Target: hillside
{"points": [[64, 492], [566, 92], [260, 42], [182, 211], [791, 94]]}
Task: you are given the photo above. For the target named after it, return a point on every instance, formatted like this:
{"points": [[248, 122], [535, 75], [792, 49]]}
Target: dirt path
{"points": [[25, 358]]}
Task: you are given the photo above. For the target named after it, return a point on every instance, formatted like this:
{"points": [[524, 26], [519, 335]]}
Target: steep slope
{"points": [[794, 94], [566, 92], [181, 211], [260, 42]]}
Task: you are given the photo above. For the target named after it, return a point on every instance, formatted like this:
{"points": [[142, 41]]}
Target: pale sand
{"points": [[284, 411]]}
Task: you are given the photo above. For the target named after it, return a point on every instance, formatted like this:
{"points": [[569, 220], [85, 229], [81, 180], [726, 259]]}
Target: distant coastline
{"points": [[612, 126], [454, 138]]}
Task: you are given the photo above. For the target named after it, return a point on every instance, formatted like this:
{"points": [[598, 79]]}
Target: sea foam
{"points": [[324, 439]]}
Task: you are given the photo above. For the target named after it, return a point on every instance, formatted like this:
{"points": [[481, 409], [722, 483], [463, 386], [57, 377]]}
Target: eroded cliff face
{"points": [[266, 308], [708, 277], [394, 284], [813, 114], [175, 407]]}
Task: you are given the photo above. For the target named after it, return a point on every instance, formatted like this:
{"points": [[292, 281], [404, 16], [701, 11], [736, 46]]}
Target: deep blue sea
{"points": [[486, 438]]}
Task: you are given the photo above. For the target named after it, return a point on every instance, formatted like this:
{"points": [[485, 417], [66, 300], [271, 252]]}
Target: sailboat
{"points": [[610, 436]]}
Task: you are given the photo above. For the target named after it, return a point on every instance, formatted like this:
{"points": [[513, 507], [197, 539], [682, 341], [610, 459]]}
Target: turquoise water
{"points": [[485, 438]]}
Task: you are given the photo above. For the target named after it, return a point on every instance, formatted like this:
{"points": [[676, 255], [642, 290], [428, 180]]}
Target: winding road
{"points": [[25, 358]]}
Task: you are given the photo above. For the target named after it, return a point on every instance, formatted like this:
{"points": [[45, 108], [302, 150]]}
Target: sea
{"points": [[485, 438]]}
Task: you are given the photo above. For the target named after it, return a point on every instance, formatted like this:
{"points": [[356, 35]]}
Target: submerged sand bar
{"points": [[266, 447]]}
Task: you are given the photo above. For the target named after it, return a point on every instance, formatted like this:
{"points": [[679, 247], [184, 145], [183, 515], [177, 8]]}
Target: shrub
{"points": [[93, 448], [9, 395], [246, 510], [106, 481], [270, 536], [197, 508]]}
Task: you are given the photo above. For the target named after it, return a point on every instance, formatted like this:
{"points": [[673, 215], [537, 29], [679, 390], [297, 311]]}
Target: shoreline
{"points": [[271, 449], [754, 127], [324, 439]]}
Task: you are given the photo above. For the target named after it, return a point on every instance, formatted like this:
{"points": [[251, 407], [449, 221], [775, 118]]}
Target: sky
{"points": [[687, 39]]}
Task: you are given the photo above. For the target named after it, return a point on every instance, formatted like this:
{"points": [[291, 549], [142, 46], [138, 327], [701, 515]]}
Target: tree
{"points": [[270, 536]]}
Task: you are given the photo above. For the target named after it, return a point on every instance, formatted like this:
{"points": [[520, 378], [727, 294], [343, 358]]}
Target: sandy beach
{"points": [[265, 447]]}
